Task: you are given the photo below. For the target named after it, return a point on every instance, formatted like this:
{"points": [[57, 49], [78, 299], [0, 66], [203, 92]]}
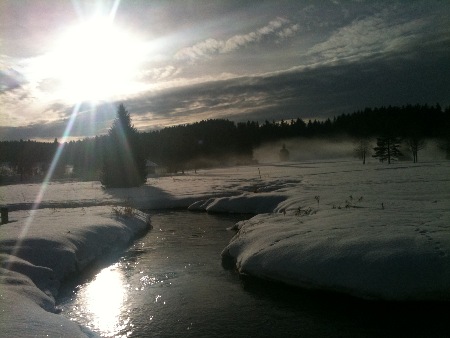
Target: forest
{"points": [[220, 142]]}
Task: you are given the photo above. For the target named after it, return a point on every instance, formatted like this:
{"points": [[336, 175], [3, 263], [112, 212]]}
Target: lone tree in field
{"points": [[123, 163], [284, 154], [444, 145], [387, 149], [362, 149], [415, 144]]}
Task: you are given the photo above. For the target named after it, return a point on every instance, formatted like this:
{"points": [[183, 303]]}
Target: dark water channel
{"points": [[171, 283]]}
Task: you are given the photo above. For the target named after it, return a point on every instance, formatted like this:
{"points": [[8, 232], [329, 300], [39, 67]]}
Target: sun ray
{"points": [[48, 177], [113, 11]]}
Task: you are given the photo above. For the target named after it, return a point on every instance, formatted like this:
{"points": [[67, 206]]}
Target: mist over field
{"points": [[303, 149], [343, 148]]}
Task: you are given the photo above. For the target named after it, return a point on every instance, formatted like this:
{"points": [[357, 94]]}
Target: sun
{"points": [[94, 60]]}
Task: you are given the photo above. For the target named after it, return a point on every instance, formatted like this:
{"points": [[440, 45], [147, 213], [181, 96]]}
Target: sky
{"points": [[65, 66]]}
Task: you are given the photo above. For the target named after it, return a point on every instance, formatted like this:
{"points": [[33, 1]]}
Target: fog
{"points": [[343, 148], [302, 149]]}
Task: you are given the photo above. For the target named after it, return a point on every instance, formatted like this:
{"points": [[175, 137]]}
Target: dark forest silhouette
{"points": [[217, 142]]}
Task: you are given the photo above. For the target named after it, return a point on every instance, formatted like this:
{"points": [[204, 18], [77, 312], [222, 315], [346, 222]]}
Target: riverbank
{"points": [[42, 248]]}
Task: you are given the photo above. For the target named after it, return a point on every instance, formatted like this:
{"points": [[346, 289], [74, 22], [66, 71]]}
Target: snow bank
{"points": [[378, 232], [40, 249], [385, 257], [244, 204]]}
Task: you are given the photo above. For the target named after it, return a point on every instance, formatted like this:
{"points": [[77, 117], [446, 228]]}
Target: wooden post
{"points": [[4, 214]]}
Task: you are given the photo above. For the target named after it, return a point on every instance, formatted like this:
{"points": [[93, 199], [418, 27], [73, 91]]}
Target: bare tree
{"points": [[362, 149], [414, 145]]}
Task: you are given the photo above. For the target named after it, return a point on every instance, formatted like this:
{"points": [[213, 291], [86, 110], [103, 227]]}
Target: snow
{"points": [[374, 231], [377, 232], [344, 251], [42, 248]]}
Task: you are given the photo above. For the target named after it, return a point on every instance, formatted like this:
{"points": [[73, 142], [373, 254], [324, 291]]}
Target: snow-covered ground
{"points": [[375, 231]]}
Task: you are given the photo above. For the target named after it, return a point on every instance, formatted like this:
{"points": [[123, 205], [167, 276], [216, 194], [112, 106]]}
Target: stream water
{"points": [[171, 283]]}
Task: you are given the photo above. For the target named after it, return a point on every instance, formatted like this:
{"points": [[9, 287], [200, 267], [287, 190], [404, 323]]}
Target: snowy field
{"points": [[375, 231]]}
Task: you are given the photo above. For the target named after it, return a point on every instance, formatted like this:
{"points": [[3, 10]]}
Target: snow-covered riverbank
{"points": [[374, 231], [40, 249]]}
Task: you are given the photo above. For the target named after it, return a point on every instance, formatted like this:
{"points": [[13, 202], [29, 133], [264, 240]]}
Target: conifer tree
{"points": [[123, 163], [387, 149]]}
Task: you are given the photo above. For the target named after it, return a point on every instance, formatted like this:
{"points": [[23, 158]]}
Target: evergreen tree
{"points": [[123, 163], [387, 149]]}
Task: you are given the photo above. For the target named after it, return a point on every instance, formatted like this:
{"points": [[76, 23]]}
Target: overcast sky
{"points": [[176, 62]]}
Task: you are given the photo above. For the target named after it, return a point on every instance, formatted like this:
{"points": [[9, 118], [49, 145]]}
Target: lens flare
{"points": [[50, 171]]}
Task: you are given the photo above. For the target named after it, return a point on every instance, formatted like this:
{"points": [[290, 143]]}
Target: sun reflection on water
{"points": [[104, 298]]}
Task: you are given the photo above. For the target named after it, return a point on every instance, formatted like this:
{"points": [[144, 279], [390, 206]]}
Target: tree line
{"points": [[218, 141]]}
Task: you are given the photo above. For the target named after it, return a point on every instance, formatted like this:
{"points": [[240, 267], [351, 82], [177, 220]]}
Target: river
{"points": [[171, 283]]}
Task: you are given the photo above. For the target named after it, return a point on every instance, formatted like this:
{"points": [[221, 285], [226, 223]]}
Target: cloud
{"points": [[10, 79], [206, 48], [339, 58], [320, 91], [161, 73], [288, 32], [89, 121], [372, 36]]}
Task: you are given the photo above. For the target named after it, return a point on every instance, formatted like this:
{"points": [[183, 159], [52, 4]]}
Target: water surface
{"points": [[171, 283]]}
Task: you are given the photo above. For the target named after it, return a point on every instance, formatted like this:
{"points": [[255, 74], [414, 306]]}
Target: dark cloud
{"points": [[33, 132], [10, 79], [323, 91], [88, 122]]}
